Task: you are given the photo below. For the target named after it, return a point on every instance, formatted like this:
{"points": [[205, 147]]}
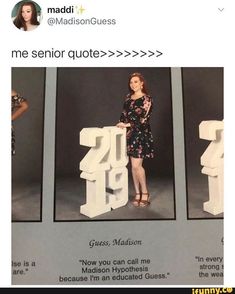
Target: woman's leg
{"points": [[134, 170], [136, 183], [139, 178]]}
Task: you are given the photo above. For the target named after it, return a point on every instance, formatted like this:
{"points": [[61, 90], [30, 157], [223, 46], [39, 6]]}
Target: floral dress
{"points": [[16, 100], [139, 137]]}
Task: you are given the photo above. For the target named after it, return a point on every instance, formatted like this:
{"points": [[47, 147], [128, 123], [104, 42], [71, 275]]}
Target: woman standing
{"points": [[26, 18], [18, 106], [135, 117]]}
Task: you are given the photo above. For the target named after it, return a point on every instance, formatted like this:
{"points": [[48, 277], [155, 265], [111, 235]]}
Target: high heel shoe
{"points": [[136, 200], [146, 202]]}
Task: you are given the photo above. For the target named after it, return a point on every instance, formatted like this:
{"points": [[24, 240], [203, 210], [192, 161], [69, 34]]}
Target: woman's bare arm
{"points": [[20, 110]]}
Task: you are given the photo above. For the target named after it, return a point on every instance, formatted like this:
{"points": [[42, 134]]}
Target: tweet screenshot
{"points": [[112, 145]]}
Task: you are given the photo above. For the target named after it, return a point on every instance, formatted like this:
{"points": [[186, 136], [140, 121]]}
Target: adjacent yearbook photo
{"points": [[203, 127], [27, 116]]}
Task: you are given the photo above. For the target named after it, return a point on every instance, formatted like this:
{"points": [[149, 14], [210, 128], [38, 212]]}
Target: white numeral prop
{"points": [[213, 162], [104, 169]]}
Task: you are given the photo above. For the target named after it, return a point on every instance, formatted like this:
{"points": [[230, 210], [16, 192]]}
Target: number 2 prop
{"points": [[212, 161], [104, 169]]}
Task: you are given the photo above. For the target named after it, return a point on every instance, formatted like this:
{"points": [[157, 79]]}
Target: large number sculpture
{"points": [[104, 169], [213, 162]]}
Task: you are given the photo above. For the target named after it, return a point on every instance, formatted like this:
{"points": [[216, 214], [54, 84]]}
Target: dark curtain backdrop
{"points": [[93, 97], [27, 163]]}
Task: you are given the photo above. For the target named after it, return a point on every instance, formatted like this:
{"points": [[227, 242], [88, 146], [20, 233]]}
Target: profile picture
{"points": [[26, 15]]}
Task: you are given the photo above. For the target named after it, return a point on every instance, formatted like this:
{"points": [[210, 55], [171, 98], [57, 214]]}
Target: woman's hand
{"points": [[122, 125], [143, 120]]}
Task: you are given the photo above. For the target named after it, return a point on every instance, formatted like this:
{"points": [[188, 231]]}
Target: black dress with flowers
{"points": [[16, 100], [139, 137]]}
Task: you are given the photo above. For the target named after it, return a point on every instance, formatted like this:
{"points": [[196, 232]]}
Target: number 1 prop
{"points": [[104, 169]]}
